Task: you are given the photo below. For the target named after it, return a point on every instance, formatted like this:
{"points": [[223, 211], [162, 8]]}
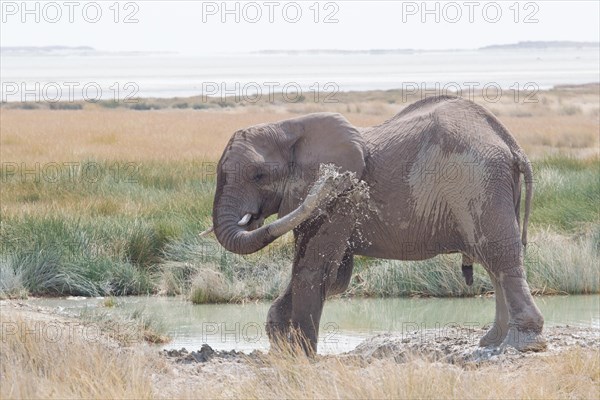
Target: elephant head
{"points": [[269, 168]]}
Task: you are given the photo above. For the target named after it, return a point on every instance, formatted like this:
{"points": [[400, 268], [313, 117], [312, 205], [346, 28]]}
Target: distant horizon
{"points": [[527, 44], [183, 75]]}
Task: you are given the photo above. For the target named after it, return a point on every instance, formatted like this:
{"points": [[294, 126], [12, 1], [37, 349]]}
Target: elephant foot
{"points": [[494, 337], [525, 340], [288, 340], [278, 322], [277, 333]]}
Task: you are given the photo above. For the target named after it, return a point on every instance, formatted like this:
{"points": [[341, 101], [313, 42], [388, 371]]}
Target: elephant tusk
{"points": [[245, 219], [207, 232]]}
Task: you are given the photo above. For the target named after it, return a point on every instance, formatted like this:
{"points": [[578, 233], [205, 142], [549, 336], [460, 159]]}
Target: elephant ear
{"points": [[320, 138]]}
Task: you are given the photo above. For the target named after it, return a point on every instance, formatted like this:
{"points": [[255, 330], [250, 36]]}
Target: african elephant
{"points": [[444, 176]]}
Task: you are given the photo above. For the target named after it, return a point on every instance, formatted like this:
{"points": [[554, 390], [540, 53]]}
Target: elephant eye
{"points": [[258, 177]]}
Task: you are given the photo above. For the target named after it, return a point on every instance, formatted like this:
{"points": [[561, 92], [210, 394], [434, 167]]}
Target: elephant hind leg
{"points": [[525, 319], [497, 333], [525, 322]]}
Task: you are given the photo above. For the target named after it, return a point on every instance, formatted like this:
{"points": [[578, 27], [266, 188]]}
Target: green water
{"points": [[344, 324]]}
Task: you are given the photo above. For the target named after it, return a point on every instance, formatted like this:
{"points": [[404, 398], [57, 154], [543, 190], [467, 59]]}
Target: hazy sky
{"points": [[197, 27]]}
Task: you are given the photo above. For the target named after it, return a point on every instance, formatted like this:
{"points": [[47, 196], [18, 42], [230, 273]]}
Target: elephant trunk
{"points": [[230, 219], [232, 234], [236, 238], [228, 211]]}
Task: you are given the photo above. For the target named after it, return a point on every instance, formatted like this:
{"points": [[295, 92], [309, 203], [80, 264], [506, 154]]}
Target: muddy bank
{"points": [[465, 351], [460, 348], [198, 369]]}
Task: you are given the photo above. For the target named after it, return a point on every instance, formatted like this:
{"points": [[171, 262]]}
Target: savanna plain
{"points": [[107, 199]]}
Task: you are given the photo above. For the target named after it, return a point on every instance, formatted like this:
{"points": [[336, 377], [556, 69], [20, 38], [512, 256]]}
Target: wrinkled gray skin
{"points": [[444, 177]]}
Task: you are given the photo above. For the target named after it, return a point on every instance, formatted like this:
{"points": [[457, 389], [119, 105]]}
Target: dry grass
{"points": [[76, 367], [556, 134], [209, 286], [44, 136], [575, 374], [62, 136], [34, 364], [561, 121], [552, 258]]}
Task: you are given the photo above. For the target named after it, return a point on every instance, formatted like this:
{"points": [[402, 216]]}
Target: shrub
{"points": [[146, 243], [65, 106], [28, 106], [11, 282], [45, 272], [201, 106], [570, 110], [109, 104], [209, 286], [144, 106]]}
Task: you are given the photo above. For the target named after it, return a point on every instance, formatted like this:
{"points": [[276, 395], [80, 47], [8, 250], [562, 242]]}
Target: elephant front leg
{"points": [[308, 296], [321, 249], [280, 313]]}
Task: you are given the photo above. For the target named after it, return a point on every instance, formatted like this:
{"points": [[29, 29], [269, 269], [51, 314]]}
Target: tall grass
{"points": [[207, 273], [557, 263], [136, 233], [11, 282], [106, 236], [554, 263]]}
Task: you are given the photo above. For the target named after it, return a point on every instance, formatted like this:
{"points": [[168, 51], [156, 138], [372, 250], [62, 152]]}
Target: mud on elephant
{"points": [[443, 176]]}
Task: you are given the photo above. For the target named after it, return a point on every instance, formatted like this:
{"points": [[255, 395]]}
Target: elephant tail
{"points": [[525, 169]]}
